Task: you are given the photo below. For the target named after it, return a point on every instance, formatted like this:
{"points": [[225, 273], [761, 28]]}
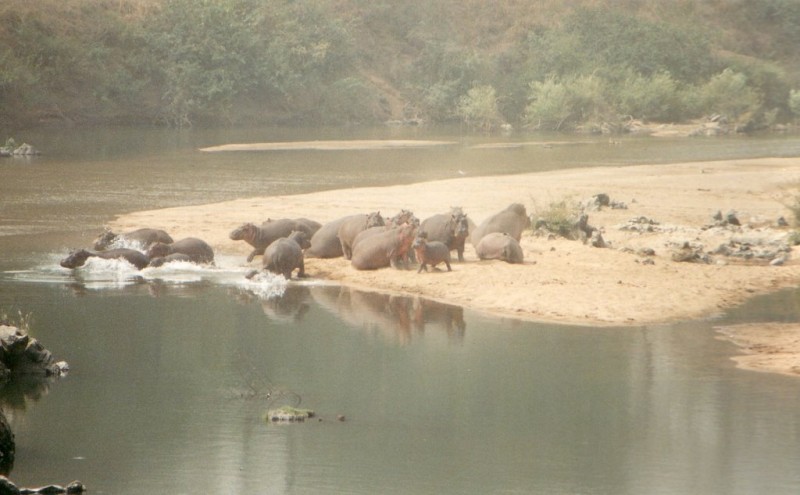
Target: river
{"points": [[172, 373]]}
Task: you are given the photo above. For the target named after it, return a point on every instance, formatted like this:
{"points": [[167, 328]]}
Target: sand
{"points": [[561, 281]]}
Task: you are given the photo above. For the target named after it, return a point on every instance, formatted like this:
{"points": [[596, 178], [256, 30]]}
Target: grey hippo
{"points": [[325, 241], [144, 237], [79, 257], [352, 226], [452, 229], [430, 252], [384, 249], [512, 221], [285, 255], [499, 246], [269, 231], [197, 250]]}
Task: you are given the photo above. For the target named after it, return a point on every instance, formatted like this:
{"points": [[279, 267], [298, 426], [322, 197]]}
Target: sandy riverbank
{"points": [[561, 281]]}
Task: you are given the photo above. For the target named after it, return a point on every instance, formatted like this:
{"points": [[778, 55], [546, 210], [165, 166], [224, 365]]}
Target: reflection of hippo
{"points": [[450, 228], [144, 237], [351, 227], [285, 254], [269, 231], [512, 221], [497, 246], [132, 256], [197, 250], [430, 252], [383, 249], [156, 262]]}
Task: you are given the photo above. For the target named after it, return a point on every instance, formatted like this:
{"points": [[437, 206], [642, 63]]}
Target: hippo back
{"points": [[325, 241], [354, 225], [381, 249], [512, 221], [143, 237], [285, 254], [196, 249]]}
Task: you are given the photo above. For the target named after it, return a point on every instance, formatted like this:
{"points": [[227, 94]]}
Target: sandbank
{"points": [[561, 281]]}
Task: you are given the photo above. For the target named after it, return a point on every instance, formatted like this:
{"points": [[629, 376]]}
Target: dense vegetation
{"points": [[544, 64]]}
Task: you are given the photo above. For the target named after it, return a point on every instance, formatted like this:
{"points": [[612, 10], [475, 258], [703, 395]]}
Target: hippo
{"points": [[161, 260], [132, 256], [405, 216], [197, 250], [269, 231], [144, 237], [499, 246], [430, 252], [512, 221], [452, 229], [384, 249], [285, 254], [351, 227]]}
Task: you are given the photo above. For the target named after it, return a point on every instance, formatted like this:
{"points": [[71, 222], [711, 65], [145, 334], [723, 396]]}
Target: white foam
{"points": [[265, 285]]}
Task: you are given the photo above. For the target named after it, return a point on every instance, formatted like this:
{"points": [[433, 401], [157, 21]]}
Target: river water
{"points": [[172, 371]]}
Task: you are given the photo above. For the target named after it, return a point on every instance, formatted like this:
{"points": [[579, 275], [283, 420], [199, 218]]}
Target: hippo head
{"points": [[104, 240], [158, 250], [517, 208], [405, 216], [75, 258], [246, 231], [420, 240], [301, 238], [460, 225], [375, 219]]}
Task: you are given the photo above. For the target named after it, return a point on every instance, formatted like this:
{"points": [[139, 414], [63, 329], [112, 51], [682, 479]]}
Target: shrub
{"points": [[478, 108], [554, 103], [559, 217], [794, 102], [728, 94]]}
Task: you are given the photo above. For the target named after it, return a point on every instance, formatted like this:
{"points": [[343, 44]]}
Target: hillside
{"points": [[547, 64]]}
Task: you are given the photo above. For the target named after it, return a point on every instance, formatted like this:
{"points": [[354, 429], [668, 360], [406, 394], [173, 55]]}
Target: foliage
{"points": [[729, 94], [478, 108], [554, 103], [559, 217], [794, 102], [20, 320]]}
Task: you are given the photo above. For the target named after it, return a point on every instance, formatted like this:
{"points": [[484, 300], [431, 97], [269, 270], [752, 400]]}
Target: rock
{"points": [[781, 222], [7, 487], [26, 149], [288, 414], [597, 240]]}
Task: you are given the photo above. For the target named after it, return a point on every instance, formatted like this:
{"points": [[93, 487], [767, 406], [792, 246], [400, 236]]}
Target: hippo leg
{"points": [[256, 252], [301, 273], [448, 266], [421, 267], [460, 254]]}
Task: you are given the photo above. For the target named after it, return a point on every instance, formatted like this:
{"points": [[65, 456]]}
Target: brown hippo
{"points": [[144, 237], [499, 246], [452, 229], [512, 221], [160, 261], [384, 249], [132, 256], [269, 231], [197, 250], [351, 227], [285, 254], [430, 252]]}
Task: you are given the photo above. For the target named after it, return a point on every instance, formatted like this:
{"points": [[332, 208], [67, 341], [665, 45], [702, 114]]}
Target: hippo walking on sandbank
{"points": [[260, 237], [197, 250], [452, 229], [351, 227], [430, 252], [384, 249], [79, 257], [285, 255], [499, 246], [143, 237], [512, 221]]}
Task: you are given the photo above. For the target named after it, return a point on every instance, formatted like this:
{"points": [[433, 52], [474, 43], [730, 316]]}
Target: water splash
{"points": [[265, 285]]}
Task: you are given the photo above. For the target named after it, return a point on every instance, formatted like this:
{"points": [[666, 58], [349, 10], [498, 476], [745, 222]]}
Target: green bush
{"points": [[557, 104], [478, 108], [729, 94], [794, 102], [657, 97]]}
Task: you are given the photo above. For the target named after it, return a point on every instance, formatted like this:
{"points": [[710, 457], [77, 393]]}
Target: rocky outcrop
{"points": [[21, 354]]}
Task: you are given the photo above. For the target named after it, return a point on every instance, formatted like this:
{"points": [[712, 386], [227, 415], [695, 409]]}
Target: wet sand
{"points": [[561, 281]]}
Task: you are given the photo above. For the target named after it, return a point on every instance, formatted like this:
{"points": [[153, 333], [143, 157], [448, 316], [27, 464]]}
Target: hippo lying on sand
{"points": [[499, 246], [384, 249], [325, 242], [450, 228], [143, 237], [79, 257], [430, 252], [512, 221], [269, 231], [197, 250]]}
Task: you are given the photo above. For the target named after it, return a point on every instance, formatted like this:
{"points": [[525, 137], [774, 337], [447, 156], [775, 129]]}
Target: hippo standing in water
{"points": [[499, 246], [197, 250], [79, 257], [512, 221], [452, 229], [162, 260], [269, 231], [384, 249], [350, 228], [285, 255], [144, 237], [430, 252]]}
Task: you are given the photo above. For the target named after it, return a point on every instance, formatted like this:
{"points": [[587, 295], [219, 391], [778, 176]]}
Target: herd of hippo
{"points": [[368, 240]]}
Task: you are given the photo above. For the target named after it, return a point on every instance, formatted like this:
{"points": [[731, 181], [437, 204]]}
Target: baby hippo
{"points": [[285, 255], [499, 246], [430, 252]]}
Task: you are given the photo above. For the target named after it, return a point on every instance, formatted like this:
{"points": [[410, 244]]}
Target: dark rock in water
{"points": [[21, 354], [7, 487], [288, 414], [7, 447]]}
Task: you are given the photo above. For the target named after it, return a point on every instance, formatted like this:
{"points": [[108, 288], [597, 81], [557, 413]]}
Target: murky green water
{"points": [[171, 373]]}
